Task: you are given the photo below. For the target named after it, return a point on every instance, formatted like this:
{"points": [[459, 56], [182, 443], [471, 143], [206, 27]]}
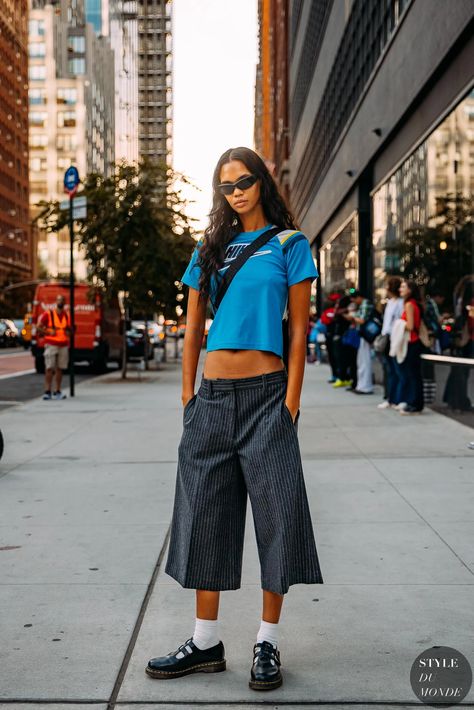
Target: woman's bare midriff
{"points": [[240, 363]]}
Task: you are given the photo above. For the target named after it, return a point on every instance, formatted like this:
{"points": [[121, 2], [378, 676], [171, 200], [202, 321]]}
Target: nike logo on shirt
{"points": [[235, 249]]}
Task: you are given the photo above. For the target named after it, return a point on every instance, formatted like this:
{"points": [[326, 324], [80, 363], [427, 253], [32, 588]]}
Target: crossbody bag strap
{"points": [[240, 261]]}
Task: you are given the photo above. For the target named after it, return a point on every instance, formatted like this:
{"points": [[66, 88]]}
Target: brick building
{"points": [[17, 253]]}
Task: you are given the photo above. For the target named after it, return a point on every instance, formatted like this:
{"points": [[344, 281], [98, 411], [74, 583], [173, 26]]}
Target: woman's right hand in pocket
{"points": [[186, 399]]}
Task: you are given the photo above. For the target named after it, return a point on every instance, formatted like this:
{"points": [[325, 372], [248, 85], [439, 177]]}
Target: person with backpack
{"points": [[55, 326], [240, 429]]}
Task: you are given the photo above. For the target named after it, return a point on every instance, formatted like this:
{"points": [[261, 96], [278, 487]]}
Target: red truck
{"points": [[99, 326]]}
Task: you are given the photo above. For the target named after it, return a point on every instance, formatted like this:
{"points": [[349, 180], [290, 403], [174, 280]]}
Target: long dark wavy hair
{"points": [[415, 293], [224, 222]]}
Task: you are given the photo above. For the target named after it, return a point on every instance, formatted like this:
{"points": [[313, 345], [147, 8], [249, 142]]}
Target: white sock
{"points": [[206, 633], [268, 632]]}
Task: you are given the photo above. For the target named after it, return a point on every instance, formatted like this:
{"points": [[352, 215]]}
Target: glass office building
{"points": [[422, 215], [94, 14]]}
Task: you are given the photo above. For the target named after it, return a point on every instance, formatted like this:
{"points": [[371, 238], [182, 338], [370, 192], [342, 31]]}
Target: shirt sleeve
{"points": [[193, 270], [299, 261]]}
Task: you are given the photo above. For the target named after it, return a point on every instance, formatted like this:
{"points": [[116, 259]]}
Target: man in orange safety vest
{"points": [[55, 326]]}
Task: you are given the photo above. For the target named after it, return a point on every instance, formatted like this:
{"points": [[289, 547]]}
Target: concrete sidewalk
{"points": [[86, 493]]}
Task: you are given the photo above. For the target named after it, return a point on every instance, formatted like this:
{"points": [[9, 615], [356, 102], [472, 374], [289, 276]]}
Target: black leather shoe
{"points": [[195, 660], [265, 673]]}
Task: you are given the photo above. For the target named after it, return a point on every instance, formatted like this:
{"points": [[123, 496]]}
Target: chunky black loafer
{"points": [[265, 673], [194, 660]]}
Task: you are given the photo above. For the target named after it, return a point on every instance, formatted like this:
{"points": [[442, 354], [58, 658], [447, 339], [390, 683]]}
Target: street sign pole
{"points": [[71, 182], [71, 298]]}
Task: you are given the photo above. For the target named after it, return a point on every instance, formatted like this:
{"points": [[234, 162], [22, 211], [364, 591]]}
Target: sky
{"points": [[215, 55]]}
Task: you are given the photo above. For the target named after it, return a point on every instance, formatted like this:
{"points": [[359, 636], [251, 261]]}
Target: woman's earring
{"points": [[235, 222]]}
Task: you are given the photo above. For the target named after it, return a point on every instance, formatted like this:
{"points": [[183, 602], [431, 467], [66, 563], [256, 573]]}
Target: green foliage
{"points": [[136, 237]]}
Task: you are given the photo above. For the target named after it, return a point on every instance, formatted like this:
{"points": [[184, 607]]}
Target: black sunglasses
{"points": [[227, 188]]}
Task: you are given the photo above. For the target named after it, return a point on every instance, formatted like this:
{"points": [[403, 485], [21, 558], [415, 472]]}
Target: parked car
{"points": [[19, 325], [8, 333], [99, 326], [26, 329], [136, 343], [155, 331]]}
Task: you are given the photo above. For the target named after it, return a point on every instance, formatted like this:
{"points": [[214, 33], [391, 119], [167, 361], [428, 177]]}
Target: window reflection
{"points": [[339, 260], [422, 224]]}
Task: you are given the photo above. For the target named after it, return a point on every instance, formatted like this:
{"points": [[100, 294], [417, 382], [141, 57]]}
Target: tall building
{"points": [[381, 141], [71, 118], [94, 15], [120, 24], [271, 91], [155, 80], [141, 37], [17, 252]]}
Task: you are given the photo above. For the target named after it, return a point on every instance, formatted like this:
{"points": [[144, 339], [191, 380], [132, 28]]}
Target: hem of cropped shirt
{"points": [[243, 346]]}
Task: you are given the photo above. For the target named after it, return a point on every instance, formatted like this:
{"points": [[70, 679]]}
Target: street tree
{"points": [[136, 237]]}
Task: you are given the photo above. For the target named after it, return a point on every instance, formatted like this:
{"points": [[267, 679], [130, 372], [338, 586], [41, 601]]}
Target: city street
{"points": [[19, 381], [86, 494]]}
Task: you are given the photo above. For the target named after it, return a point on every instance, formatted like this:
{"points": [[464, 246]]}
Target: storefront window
{"points": [[422, 223], [339, 261]]}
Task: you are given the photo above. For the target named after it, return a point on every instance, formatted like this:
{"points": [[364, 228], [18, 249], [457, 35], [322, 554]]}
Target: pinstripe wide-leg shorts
{"points": [[239, 438]]}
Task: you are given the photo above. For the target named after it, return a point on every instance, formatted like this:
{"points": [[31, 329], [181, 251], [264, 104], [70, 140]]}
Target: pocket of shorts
{"points": [[187, 406]]}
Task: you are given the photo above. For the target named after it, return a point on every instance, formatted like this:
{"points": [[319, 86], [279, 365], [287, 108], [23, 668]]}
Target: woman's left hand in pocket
{"points": [[293, 411]]}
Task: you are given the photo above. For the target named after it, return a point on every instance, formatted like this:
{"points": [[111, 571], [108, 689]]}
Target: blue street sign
{"points": [[71, 180]]}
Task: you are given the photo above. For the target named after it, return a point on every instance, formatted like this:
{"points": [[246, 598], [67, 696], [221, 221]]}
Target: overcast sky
{"points": [[215, 53]]}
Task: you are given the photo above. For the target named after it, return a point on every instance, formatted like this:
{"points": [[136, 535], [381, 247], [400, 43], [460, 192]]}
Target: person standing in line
{"points": [[365, 384], [410, 368], [54, 325], [342, 352], [240, 428], [393, 311], [434, 319], [327, 318]]}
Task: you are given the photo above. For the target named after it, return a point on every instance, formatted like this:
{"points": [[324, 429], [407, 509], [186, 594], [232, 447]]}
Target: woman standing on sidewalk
{"points": [[410, 368], [240, 428], [393, 311]]}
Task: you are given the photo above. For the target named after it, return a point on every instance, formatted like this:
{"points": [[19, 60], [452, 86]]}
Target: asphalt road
{"points": [[18, 380]]}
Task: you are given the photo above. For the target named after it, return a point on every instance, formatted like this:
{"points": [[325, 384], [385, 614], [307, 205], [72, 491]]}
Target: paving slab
{"points": [[395, 582], [86, 494], [65, 641]]}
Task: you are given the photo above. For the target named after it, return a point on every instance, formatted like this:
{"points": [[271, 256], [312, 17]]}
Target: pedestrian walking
{"points": [[240, 428], [55, 326], [410, 368]]}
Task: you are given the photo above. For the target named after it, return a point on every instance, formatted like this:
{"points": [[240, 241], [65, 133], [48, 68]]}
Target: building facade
{"points": [[155, 80], [382, 142], [17, 250], [141, 37], [271, 131], [71, 96]]}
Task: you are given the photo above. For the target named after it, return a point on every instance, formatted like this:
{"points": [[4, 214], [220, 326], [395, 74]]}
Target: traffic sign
{"points": [[71, 180], [79, 207]]}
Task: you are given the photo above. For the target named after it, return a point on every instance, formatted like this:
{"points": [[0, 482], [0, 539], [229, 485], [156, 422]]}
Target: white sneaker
{"points": [[400, 407], [383, 405]]}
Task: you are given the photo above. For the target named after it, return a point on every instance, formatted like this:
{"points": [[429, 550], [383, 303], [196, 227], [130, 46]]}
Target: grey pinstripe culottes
{"points": [[238, 438]]}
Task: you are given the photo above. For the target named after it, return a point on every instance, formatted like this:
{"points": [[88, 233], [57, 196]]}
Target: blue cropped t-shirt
{"points": [[250, 314]]}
